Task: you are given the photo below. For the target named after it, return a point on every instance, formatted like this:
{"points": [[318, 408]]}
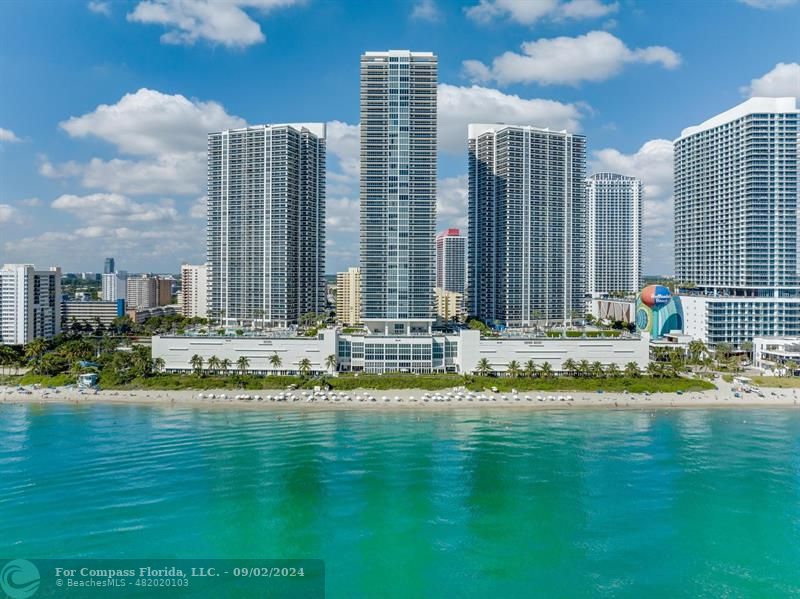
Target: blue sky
{"points": [[104, 106]]}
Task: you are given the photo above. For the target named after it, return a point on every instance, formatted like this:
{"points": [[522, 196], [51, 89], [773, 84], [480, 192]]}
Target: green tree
{"points": [[546, 370], [791, 367], [158, 364], [34, 351], [484, 368], [654, 369], [214, 364], [275, 361], [513, 369], [224, 365], [596, 370], [632, 370], [697, 351], [330, 362], [242, 364], [197, 364], [530, 369], [612, 370], [584, 368], [304, 367], [569, 367]]}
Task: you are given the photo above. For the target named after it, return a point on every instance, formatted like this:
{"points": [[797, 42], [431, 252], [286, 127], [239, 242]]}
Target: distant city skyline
{"points": [[113, 164]]}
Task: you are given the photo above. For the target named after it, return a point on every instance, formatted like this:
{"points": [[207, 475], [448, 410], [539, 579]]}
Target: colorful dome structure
{"points": [[658, 311]]}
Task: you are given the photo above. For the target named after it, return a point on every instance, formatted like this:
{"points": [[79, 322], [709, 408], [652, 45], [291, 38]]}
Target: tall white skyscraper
{"points": [[451, 261], [398, 189], [30, 303], [736, 222], [527, 225], [114, 286], [194, 286], [266, 224], [614, 204]]}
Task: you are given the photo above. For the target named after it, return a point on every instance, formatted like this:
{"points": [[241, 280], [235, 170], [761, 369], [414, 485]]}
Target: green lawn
{"points": [[783, 382], [429, 382], [633, 385]]}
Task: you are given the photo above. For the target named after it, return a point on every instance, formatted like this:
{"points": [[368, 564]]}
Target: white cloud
{"points": [[8, 135], [451, 202], [32, 202], [653, 165], [114, 209], [8, 213], [426, 10], [594, 56], [168, 131], [768, 4], [781, 81], [160, 246], [148, 122], [199, 209], [225, 23], [527, 12], [100, 8], [459, 106], [343, 142], [342, 215]]}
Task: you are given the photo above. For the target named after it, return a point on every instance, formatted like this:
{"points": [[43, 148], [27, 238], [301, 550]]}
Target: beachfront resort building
{"points": [[348, 296], [194, 287], [266, 224], [459, 352], [527, 225], [614, 207], [398, 190], [30, 303], [451, 261], [736, 222]]}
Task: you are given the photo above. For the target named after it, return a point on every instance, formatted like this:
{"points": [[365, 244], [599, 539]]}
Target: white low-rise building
{"points": [[772, 354], [458, 352]]}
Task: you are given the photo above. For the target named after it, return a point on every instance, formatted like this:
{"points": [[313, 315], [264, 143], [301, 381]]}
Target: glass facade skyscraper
{"points": [[614, 204], [527, 225], [398, 190], [266, 224], [736, 222]]}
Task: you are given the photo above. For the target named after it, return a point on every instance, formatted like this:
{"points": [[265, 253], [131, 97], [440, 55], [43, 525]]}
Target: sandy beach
{"points": [[456, 398]]}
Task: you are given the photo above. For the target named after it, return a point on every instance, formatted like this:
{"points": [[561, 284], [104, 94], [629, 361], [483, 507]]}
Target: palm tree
{"points": [[242, 363], [530, 369], [35, 350], [483, 367], [584, 368], [158, 364], [275, 361], [513, 369], [596, 370], [697, 350], [213, 364], [653, 369], [791, 367], [722, 353], [330, 362], [632, 370], [224, 364], [569, 366], [546, 370], [197, 364], [612, 370], [304, 366]]}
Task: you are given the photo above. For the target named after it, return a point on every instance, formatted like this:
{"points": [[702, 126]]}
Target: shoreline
{"points": [[404, 399]]}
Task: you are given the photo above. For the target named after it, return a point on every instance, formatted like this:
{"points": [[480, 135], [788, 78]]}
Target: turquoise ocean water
{"points": [[458, 503]]}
